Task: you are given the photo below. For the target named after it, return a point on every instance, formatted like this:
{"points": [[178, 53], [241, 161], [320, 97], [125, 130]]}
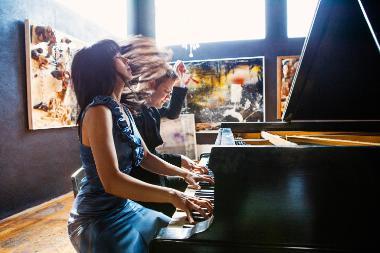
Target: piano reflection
{"points": [[308, 183]]}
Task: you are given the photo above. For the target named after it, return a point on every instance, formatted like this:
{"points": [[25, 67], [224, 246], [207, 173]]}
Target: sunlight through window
{"points": [[109, 15], [184, 21], [300, 16]]}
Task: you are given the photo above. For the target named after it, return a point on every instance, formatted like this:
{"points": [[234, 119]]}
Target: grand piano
{"points": [[308, 183]]}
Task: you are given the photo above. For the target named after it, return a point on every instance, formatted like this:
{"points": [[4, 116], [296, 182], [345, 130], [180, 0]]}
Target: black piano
{"points": [[310, 182]]}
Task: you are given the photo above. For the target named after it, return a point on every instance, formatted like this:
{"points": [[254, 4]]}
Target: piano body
{"points": [[308, 183]]}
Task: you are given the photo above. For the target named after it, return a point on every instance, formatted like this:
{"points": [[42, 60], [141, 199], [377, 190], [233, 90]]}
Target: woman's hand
{"points": [[192, 179], [190, 165], [190, 204], [180, 70]]}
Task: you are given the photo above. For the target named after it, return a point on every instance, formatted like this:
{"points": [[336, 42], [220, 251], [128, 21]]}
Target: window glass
{"points": [[300, 15], [184, 21]]}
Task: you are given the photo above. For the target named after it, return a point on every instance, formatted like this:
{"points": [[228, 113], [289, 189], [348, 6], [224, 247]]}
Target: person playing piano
{"points": [[147, 104], [105, 216]]}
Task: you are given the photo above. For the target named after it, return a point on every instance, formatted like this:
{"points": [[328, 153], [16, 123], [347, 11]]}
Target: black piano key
{"points": [[198, 218], [206, 188], [210, 187], [204, 184], [203, 194]]}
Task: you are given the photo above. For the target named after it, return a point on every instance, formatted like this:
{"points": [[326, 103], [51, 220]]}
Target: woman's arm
{"points": [[174, 159], [97, 133], [179, 92]]}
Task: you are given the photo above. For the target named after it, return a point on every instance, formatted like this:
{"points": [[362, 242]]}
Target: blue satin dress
{"points": [[100, 222]]}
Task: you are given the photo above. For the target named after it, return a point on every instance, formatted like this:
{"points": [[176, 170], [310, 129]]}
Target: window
{"points": [[300, 16], [184, 21], [111, 16]]}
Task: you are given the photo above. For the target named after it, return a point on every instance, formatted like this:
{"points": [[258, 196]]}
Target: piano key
{"points": [[199, 218], [204, 194], [204, 184], [179, 218], [199, 214], [208, 188], [205, 191]]}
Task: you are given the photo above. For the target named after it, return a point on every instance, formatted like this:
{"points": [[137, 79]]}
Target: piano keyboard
{"points": [[239, 141], [179, 227]]}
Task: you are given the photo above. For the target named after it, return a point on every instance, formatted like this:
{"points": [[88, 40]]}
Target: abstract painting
{"points": [[51, 98], [286, 69], [179, 136], [225, 90]]}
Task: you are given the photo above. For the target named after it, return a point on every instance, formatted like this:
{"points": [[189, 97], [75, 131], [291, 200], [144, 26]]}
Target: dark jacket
{"points": [[148, 124]]}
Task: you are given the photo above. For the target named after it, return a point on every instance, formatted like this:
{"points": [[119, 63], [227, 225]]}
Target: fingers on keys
{"points": [[194, 186], [200, 169], [205, 178], [198, 209]]}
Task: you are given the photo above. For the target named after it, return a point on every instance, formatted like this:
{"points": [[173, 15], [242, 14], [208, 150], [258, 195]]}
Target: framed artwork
{"points": [[179, 136], [50, 94], [223, 90], [286, 69]]}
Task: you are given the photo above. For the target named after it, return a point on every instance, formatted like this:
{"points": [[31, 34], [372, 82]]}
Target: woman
{"points": [[157, 79], [104, 217], [171, 87]]}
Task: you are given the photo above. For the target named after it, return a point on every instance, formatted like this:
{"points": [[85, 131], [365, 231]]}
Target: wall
{"points": [[35, 166]]}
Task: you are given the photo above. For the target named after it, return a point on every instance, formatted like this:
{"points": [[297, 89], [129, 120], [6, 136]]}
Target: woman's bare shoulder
{"points": [[97, 114]]}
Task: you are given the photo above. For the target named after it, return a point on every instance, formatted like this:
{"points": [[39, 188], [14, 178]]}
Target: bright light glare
{"points": [[110, 15], [300, 15], [184, 21]]}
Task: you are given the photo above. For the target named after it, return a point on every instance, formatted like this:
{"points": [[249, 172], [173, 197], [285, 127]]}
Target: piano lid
{"points": [[339, 73]]}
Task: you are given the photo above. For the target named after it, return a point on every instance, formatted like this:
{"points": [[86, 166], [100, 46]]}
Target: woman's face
{"points": [[122, 67], [162, 93]]}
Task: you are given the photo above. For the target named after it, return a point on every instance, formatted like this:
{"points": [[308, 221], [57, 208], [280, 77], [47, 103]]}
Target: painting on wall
{"points": [[225, 90], [51, 97], [179, 136], [286, 69]]}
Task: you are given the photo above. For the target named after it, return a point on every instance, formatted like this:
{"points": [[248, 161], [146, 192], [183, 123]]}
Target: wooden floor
{"points": [[39, 229]]}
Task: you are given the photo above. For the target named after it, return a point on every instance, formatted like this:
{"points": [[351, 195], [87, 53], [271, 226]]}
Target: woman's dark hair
{"points": [[93, 72]]}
